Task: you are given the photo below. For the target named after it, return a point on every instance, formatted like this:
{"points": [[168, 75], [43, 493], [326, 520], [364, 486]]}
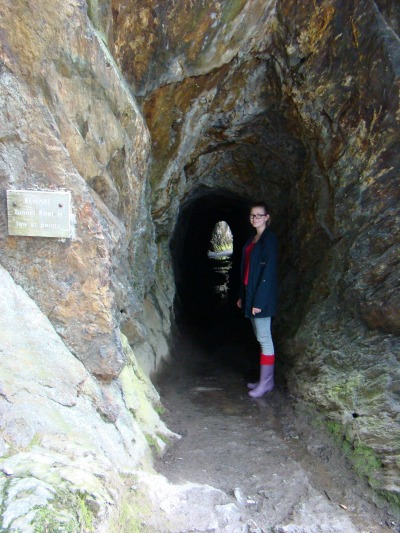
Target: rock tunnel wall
{"points": [[137, 108], [76, 411], [297, 103]]}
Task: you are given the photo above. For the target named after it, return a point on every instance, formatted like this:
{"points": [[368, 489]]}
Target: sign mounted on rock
{"points": [[39, 213]]}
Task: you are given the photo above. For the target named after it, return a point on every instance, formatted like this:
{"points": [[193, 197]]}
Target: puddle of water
{"points": [[220, 279]]}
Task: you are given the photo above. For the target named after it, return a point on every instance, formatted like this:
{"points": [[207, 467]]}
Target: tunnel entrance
{"points": [[196, 260], [208, 279]]}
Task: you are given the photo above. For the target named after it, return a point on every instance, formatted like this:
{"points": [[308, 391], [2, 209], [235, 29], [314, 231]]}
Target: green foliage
{"points": [[365, 462], [221, 238], [46, 522], [159, 409], [393, 499], [54, 518], [152, 442], [335, 429], [363, 459], [164, 438], [85, 515], [132, 513], [128, 520], [36, 440], [346, 391]]}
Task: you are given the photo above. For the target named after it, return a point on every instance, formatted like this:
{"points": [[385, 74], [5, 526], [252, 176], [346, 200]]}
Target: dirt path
{"points": [[277, 466]]}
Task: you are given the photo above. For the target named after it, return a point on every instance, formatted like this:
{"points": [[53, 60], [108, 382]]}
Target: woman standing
{"points": [[259, 292]]}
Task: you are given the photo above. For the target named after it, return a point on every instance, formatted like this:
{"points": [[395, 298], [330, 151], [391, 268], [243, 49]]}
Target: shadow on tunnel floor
{"points": [[221, 334], [208, 318]]}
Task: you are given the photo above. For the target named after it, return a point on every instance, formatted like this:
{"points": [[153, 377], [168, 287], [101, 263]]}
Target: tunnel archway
{"points": [[191, 242], [213, 320], [293, 120], [195, 299]]}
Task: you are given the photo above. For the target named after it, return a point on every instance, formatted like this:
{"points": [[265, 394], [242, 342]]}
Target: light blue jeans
{"points": [[262, 331]]}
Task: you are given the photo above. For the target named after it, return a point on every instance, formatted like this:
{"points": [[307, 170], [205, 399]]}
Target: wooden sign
{"points": [[39, 213]]}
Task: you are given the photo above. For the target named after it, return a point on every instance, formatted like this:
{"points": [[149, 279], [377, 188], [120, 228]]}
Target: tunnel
{"points": [[195, 297], [201, 309], [293, 124], [297, 106]]}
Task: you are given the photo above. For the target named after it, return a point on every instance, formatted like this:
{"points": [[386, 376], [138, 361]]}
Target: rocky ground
{"points": [[245, 465]]}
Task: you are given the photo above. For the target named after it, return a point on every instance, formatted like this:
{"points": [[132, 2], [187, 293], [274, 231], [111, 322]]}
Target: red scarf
{"points": [[247, 254]]}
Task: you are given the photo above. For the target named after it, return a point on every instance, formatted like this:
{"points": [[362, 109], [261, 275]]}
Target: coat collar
{"points": [[263, 235]]}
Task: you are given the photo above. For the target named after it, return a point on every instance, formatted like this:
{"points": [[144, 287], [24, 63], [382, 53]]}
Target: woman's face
{"points": [[258, 217]]}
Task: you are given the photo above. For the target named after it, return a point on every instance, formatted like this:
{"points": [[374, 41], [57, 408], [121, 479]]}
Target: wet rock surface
{"points": [[272, 457], [68, 442], [68, 122]]}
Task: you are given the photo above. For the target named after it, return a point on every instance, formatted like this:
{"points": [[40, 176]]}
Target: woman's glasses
{"points": [[258, 216]]}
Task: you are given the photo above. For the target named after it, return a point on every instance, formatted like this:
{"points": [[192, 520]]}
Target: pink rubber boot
{"points": [[266, 383]]}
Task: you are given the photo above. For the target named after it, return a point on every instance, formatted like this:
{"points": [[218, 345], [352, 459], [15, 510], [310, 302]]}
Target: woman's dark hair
{"points": [[262, 204]]}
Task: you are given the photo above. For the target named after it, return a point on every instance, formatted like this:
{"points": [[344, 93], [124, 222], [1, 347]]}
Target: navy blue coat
{"points": [[262, 288]]}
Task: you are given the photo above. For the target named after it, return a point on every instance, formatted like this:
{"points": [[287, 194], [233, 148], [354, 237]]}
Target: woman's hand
{"points": [[255, 310], [239, 303]]}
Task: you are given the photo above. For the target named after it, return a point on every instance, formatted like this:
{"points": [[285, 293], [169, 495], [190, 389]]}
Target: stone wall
{"points": [[77, 414], [70, 445], [343, 88]]}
